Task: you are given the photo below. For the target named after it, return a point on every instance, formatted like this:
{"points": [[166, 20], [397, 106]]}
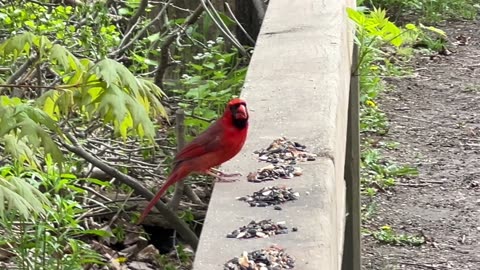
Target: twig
{"points": [[93, 191], [140, 10], [180, 131], [129, 42], [162, 68], [117, 214], [412, 185], [11, 80], [171, 217], [28, 86], [193, 196], [432, 182], [222, 27], [239, 24], [44, 4]]}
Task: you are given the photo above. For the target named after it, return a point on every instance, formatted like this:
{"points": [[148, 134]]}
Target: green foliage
{"points": [[105, 90], [388, 236], [431, 10], [209, 81], [18, 194], [377, 37], [378, 173], [48, 235], [25, 130], [373, 119], [84, 28]]}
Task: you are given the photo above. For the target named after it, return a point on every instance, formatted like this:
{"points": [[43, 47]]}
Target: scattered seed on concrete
{"points": [[272, 258], [261, 229], [270, 196], [273, 172], [284, 151]]}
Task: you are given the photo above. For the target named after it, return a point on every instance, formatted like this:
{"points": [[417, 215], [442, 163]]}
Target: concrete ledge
{"points": [[297, 86]]}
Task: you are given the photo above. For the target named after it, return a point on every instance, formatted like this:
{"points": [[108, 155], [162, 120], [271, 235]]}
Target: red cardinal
{"points": [[219, 143]]}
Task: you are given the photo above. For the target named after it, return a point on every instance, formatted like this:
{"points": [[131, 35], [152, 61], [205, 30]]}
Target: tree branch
{"points": [[179, 225], [134, 19], [239, 24], [180, 131], [127, 41], [11, 80], [217, 20], [162, 68]]}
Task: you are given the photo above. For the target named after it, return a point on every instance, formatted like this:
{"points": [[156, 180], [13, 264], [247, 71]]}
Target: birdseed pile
{"points": [[262, 229], [272, 258]]}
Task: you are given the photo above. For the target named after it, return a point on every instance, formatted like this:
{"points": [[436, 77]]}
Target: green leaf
{"points": [[20, 196], [19, 150], [410, 26], [113, 72], [101, 233], [17, 45], [209, 65], [227, 20], [434, 30], [61, 56], [98, 182], [356, 16]]}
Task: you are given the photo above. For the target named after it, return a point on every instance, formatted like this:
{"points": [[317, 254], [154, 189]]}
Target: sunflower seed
{"points": [[272, 258], [282, 149], [261, 229], [271, 196]]}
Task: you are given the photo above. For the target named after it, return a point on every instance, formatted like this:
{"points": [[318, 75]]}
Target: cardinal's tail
{"points": [[179, 172]]}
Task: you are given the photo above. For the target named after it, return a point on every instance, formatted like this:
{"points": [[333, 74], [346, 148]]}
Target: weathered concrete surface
{"points": [[297, 86]]}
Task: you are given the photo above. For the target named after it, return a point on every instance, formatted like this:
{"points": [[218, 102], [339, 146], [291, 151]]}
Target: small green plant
{"points": [[181, 256], [50, 237], [373, 120], [376, 173], [472, 88], [391, 145], [430, 10], [368, 210], [387, 235]]}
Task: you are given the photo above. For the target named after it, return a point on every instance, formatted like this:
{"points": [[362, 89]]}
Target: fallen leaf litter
{"points": [[261, 229], [272, 258]]}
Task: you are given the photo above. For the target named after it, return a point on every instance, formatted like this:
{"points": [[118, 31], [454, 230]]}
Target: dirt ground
{"points": [[434, 115]]}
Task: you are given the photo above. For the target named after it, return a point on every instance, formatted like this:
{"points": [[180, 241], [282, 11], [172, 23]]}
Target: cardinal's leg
{"points": [[225, 174], [219, 177]]}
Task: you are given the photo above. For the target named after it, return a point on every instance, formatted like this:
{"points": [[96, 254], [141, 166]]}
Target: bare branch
{"points": [[179, 225], [193, 196], [239, 24], [127, 42], [164, 63], [140, 11], [180, 131], [11, 80], [213, 14]]}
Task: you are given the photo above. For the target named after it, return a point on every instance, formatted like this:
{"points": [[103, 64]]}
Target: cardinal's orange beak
{"points": [[241, 112]]}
